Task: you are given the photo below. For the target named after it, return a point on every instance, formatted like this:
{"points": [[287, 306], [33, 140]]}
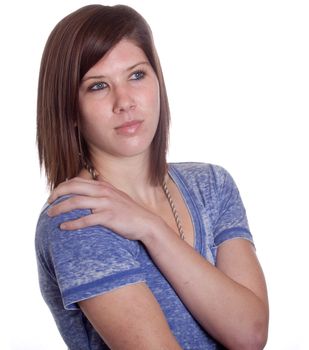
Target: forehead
{"points": [[123, 55]]}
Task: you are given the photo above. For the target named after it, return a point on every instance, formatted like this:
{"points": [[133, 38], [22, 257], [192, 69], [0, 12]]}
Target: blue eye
{"points": [[138, 75], [98, 86]]}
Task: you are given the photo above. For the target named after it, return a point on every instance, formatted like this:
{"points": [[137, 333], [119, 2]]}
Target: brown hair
{"points": [[77, 43]]}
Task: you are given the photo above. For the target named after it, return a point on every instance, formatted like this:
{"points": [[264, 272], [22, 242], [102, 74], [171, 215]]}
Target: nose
{"points": [[123, 100]]}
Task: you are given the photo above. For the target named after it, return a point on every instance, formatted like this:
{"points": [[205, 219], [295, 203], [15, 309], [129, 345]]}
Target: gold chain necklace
{"points": [[174, 210], [94, 174]]}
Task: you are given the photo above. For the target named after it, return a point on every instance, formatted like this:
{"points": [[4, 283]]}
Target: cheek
{"points": [[157, 100], [89, 120], [154, 98], [87, 109], [93, 112]]}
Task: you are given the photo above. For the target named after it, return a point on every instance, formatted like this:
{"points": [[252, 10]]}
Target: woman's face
{"points": [[120, 103]]}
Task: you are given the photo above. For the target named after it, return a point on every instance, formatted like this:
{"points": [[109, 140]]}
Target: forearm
{"points": [[230, 312], [229, 300]]}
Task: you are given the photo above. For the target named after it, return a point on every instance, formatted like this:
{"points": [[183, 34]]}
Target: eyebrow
{"points": [[127, 69]]}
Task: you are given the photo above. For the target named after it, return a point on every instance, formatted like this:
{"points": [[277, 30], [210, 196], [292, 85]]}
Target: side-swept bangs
{"points": [[76, 44]]}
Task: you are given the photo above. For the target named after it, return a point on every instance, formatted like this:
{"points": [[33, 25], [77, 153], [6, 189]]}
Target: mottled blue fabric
{"points": [[76, 265]]}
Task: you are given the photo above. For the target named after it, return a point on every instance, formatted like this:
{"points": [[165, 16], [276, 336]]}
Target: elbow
{"points": [[256, 337]]}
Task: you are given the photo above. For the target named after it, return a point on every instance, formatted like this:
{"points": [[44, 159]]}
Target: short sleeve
{"points": [[89, 261], [232, 219]]}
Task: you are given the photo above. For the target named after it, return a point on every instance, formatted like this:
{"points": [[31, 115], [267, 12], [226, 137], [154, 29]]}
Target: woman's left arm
{"points": [[229, 300]]}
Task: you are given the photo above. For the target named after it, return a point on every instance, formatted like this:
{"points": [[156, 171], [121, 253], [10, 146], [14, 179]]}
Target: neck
{"points": [[130, 175]]}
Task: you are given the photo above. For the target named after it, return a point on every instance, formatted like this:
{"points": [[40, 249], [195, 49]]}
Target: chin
{"points": [[134, 150]]}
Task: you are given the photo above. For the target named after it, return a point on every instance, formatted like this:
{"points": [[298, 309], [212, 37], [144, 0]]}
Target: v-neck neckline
{"points": [[190, 203]]}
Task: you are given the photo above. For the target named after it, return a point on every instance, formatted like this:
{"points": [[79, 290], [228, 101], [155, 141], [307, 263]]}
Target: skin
{"points": [[121, 88], [235, 311]]}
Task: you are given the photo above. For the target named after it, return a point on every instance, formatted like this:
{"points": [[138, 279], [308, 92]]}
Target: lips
{"points": [[129, 128]]}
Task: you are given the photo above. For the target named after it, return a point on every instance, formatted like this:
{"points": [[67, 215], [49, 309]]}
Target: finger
{"points": [[85, 221], [77, 202], [80, 186]]}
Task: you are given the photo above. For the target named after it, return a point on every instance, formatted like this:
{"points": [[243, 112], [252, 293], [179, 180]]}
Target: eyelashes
{"points": [[97, 86], [101, 85], [138, 75]]}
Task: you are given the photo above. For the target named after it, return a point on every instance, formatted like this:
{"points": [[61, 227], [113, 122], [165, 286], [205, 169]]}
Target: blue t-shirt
{"points": [[76, 265]]}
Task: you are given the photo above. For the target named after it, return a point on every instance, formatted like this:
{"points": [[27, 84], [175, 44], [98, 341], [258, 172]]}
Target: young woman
{"points": [[134, 253]]}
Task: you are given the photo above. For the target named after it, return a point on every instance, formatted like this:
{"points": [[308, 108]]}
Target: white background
{"points": [[237, 74]]}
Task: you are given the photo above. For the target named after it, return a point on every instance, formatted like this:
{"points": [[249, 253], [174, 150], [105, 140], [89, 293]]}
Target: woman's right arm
{"points": [[130, 318], [118, 304]]}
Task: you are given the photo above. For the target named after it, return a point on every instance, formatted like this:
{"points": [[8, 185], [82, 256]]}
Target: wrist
{"points": [[154, 229]]}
